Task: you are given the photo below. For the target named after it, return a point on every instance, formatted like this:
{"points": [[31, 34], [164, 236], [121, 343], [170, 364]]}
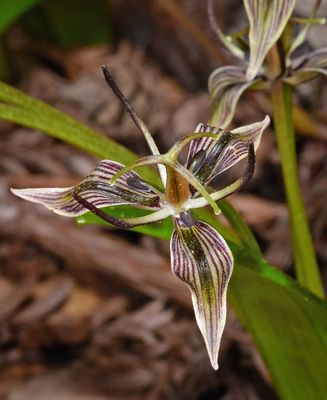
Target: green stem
{"points": [[242, 230], [304, 256]]}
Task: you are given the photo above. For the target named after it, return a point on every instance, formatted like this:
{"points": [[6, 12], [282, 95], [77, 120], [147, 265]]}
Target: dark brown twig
{"points": [[122, 98]]}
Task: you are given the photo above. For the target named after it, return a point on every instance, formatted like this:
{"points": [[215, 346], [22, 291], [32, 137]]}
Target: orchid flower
{"points": [[267, 21], [200, 256]]}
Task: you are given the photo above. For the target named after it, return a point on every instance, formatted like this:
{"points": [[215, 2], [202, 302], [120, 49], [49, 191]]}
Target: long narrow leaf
{"points": [[289, 327], [20, 108]]}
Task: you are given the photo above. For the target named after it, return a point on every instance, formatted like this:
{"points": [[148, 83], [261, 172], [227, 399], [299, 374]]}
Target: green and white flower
{"points": [[200, 256]]}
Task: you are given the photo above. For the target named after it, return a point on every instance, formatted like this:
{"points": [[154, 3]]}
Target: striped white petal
{"points": [[218, 155], [267, 21], [308, 67], [128, 189], [226, 85], [201, 258]]}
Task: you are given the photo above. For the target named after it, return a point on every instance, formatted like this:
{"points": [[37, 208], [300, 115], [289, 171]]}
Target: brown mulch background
{"points": [[88, 313]]}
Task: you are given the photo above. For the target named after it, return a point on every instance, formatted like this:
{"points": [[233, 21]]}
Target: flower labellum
{"points": [[200, 256]]}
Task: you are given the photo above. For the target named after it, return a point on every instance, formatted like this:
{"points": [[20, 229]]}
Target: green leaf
{"points": [[243, 231], [160, 230], [10, 10], [288, 323], [20, 108]]}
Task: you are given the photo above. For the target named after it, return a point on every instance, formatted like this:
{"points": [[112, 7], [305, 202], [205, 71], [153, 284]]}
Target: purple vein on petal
{"points": [[201, 258]]}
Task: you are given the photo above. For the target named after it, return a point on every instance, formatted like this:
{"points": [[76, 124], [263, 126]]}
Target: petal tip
{"points": [[202, 259], [20, 193], [266, 121], [214, 364]]}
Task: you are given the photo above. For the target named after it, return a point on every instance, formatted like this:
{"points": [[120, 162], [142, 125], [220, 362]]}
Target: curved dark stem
{"points": [[117, 222], [101, 214], [121, 97]]}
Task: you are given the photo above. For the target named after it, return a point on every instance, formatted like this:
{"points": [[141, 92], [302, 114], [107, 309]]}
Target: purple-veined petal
{"points": [[201, 258], [220, 154], [201, 145], [226, 85], [128, 189], [308, 67], [199, 202], [267, 21]]}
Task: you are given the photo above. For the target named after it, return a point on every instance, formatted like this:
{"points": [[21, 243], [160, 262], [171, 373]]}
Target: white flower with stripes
{"points": [[200, 256]]}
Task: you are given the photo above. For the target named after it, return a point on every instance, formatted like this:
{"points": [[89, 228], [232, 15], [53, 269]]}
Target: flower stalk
{"points": [[306, 267]]}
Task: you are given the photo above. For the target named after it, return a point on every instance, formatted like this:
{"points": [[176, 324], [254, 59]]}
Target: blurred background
{"points": [[93, 314]]}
